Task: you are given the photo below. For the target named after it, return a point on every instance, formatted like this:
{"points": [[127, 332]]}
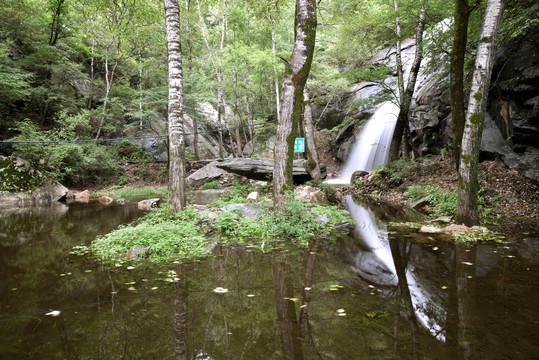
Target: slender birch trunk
{"points": [[407, 96], [312, 164], [140, 89], [275, 77], [296, 75], [176, 186], [467, 208]]}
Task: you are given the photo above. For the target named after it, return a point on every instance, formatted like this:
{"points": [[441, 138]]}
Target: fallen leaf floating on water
{"points": [[467, 263], [53, 313], [220, 290], [250, 295], [444, 287], [130, 267], [155, 288], [131, 288], [340, 310], [307, 288], [293, 299]]}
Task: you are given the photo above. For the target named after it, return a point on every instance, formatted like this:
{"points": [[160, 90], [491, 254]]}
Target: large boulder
{"points": [[206, 174], [262, 169]]}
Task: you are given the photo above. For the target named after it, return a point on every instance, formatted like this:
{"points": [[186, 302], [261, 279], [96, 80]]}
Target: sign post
{"points": [[299, 146]]}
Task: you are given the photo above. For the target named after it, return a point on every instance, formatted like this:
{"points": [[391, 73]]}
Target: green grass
{"points": [[168, 235], [130, 192], [175, 236]]}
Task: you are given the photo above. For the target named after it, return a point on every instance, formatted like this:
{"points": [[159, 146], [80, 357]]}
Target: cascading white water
{"points": [[371, 148]]}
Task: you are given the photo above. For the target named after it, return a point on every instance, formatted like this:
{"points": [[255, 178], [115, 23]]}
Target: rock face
{"points": [[262, 169], [20, 185], [510, 136], [206, 174]]}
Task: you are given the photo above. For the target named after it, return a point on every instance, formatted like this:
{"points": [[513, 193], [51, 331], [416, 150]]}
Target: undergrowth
{"points": [[184, 235], [168, 236]]}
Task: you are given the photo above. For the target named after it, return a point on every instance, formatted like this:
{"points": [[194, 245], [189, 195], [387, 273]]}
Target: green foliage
{"points": [[129, 192], [69, 163], [214, 184], [168, 235], [479, 235], [442, 201], [393, 174], [295, 224], [236, 196]]}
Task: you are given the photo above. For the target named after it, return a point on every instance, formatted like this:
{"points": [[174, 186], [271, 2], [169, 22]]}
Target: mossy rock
{"points": [[16, 175]]}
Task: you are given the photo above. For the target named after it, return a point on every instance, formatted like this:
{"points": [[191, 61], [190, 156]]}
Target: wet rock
{"points": [[82, 196], [148, 204], [453, 228], [358, 176], [121, 201], [137, 251], [431, 229], [105, 200]]}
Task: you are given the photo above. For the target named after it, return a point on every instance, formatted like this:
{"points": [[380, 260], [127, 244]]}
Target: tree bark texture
{"points": [[456, 71], [312, 164], [407, 96], [176, 186], [467, 209], [296, 74]]}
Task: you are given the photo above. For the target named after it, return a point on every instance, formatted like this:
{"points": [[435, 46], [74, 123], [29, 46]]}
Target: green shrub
{"points": [[214, 184], [168, 235], [393, 174], [295, 223], [442, 201]]}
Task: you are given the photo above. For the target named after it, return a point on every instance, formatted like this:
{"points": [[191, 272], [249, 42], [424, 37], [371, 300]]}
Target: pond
{"points": [[371, 295]]}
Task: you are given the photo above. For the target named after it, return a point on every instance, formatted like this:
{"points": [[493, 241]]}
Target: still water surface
{"points": [[369, 296]]}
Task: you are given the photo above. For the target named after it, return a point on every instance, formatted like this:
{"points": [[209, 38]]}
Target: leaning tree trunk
{"points": [[296, 74], [176, 186], [312, 164], [467, 209], [406, 98], [456, 71]]}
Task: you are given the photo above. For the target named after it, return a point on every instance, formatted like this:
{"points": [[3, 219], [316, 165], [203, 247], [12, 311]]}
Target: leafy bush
{"points": [[442, 201], [393, 174], [294, 223]]}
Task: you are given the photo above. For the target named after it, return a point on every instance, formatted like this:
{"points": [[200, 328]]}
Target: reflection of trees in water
{"points": [[285, 309], [181, 315], [460, 332], [400, 259], [295, 331]]}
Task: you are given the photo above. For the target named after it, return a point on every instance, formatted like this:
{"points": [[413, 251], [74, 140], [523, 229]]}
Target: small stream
{"points": [[371, 295]]}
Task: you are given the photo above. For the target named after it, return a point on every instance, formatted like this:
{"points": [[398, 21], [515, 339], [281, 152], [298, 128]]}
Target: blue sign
{"points": [[299, 145]]}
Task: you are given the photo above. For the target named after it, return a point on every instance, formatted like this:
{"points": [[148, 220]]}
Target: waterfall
{"points": [[372, 147]]}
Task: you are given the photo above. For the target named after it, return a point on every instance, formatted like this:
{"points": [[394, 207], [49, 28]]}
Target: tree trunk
{"points": [[140, 89], [296, 75], [467, 209], [176, 186], [109, 78], [312, 164], [406, 98], [275, 78], [219, 80], [188, 38], [456, 71]]}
